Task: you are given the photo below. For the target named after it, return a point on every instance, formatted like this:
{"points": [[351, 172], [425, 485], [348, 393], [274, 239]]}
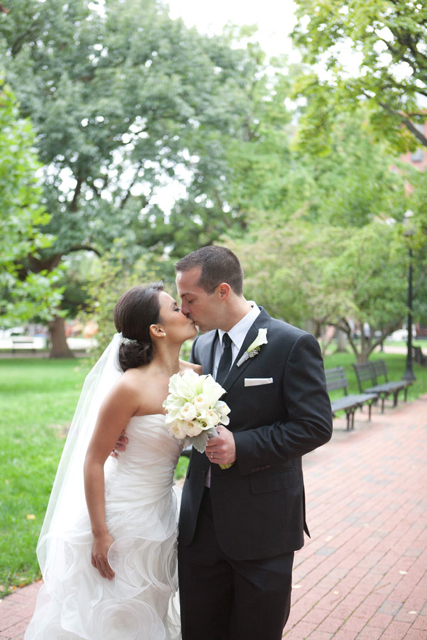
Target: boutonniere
{"points": [[254, 348]]}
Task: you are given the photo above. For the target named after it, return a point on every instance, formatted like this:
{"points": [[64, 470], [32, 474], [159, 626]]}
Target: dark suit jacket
{"points": [[258, 504]]}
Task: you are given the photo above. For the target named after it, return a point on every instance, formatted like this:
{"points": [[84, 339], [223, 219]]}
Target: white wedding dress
{"points": [[140, 603]]}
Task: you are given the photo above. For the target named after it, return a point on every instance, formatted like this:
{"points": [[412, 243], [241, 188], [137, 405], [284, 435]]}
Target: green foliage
{"points": [[329, 275], [109, 278], [127, 103], [123, 100], [388, 37], [356, 182], [261, 163], [21, 216], [330, 249], [416, 240]]}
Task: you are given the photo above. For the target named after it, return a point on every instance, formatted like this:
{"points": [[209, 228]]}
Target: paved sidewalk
{"points": [[364, 573]]}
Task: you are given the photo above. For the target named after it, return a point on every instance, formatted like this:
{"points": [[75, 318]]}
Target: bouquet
{"points": [[193, 409]]}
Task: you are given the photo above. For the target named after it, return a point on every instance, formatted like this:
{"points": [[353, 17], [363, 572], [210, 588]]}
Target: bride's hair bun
{"points": [[135, 312]]}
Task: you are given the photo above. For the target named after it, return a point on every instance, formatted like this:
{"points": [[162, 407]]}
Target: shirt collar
{"points": [[238, 332]]}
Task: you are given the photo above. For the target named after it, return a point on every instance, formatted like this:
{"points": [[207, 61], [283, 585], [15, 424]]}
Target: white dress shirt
{"points": [[237, 336]]}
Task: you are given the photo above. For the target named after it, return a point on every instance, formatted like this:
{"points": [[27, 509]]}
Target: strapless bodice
{"points": [[149, 460]]}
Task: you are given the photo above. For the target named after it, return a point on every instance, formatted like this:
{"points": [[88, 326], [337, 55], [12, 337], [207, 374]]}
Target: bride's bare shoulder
{"points": [[185, 366], [129, 382]]}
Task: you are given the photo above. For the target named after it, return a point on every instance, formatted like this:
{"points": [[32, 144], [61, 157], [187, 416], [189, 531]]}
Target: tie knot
{"points": [[226, 341]]}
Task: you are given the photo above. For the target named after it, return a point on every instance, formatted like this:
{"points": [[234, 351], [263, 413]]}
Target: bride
{"points": [[107, 549]]}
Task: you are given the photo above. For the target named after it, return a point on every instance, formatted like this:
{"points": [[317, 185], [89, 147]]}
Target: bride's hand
{"points": [[100, 547]]}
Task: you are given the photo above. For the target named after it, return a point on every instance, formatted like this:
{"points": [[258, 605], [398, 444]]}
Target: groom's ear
{"points": [[223, 291]]}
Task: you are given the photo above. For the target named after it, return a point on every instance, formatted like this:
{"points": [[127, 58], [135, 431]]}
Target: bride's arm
{"points": [[115, 413]]}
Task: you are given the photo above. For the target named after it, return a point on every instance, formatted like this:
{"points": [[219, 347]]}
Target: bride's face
{"points": [[176, 325]]}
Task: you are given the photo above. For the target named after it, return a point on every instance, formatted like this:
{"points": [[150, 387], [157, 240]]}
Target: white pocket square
{"points": [[256, 382]]}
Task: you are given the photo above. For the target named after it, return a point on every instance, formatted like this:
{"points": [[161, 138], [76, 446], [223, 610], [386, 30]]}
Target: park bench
{"points": [[418, 356], [336, 379], [23, 342], [370, 372]]}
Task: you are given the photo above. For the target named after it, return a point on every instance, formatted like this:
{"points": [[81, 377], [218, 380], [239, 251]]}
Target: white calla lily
{"points": [[259, 340]]}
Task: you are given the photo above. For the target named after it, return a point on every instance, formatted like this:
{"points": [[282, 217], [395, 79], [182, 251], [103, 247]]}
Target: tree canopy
{"points": [[123, 101], [334, 252], [22, 216], [388, 39], [127, 105]]}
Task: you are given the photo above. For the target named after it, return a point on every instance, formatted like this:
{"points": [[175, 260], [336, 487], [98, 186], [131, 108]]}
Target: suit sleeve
{"points": [[309, 421]]}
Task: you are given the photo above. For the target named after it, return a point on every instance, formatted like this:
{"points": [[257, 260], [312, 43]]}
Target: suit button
{"points": [[203, 473], [253, 470]]}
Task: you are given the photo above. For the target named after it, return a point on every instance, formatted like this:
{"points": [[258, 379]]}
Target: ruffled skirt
{"points": [[140, 603]]}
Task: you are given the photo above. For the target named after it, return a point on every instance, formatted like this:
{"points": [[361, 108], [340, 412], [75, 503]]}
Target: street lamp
{"points": [[409, 374]]}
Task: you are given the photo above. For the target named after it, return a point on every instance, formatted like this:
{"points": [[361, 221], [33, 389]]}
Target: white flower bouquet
{"points": [[193, 409]]}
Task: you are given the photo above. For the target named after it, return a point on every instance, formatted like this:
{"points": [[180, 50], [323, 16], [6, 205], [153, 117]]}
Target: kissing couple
{"points": [[111, 550]]}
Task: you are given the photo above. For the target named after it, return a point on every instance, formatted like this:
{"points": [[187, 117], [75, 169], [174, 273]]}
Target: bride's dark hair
{"points": [[135, 311]]}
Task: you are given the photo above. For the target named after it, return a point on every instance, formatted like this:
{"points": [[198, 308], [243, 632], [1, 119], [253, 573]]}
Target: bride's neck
{"points": [[166, 358]]}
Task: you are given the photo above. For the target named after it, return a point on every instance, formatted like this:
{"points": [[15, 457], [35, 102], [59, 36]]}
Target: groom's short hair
{"points": [[218, 264]]}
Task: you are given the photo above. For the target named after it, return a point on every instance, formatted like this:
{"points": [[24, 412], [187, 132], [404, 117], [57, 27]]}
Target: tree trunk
{"points": [[59, 348], [311, 327], [364, 353], [341, 342]]}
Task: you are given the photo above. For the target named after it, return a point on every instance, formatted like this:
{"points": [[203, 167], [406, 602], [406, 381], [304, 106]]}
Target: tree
{"points": [[333, 252], [112, 275], [302, 272], [22, 295], [124, 101], [251, 156], [389, 38]]}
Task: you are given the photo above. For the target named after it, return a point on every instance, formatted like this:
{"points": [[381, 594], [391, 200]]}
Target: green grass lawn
{"points": [[37, 401]]}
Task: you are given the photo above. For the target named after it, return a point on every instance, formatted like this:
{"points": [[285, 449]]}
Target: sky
{"points": [[275, 19]]}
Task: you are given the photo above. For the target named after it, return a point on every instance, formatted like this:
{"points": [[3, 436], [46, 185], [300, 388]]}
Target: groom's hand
{"points": [[120, 444], [221, 449]]}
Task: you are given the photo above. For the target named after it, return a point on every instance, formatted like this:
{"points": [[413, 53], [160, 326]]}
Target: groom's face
{"points": [[201, 307]]}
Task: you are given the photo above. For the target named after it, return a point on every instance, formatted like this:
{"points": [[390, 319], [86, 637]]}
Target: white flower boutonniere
{"points": [[254, 348]]}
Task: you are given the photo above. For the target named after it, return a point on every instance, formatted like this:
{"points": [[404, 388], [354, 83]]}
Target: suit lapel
{"points": [[207, 353], [262, 321]]}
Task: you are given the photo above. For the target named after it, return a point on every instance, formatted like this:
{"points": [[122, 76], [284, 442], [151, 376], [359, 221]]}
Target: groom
{"points": [[239, 527]]}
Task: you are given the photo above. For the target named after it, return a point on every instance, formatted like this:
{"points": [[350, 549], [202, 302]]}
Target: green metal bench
{"points": [[336, 379], [370, 372], [419, 357]]}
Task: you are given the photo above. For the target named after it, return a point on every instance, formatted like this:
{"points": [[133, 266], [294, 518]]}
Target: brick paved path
{"points": [[364, 574]]}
